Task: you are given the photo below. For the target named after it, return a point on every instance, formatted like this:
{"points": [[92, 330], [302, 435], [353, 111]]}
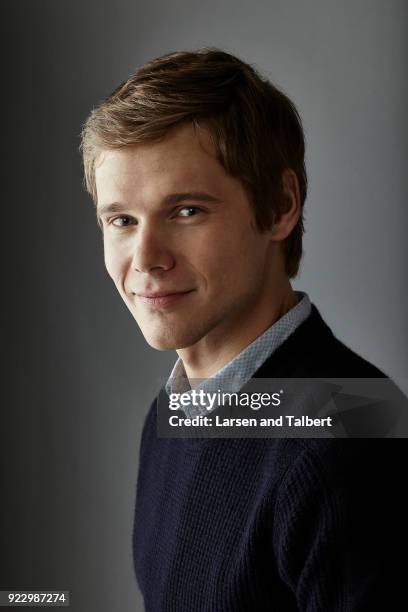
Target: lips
{"points": [[162, 299], [159, 294]]}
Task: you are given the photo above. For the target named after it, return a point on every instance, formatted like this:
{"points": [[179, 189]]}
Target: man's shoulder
{"points": [[313, 351], [334, 359], [360, 470]]}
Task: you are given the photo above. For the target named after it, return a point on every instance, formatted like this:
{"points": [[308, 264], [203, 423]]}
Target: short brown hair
{"points": [[256, 129]]}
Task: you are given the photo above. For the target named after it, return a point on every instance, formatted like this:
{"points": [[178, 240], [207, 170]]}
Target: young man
{"points": [[196, 167]]}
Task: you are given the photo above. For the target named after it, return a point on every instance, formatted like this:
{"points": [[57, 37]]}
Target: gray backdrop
{"points": [[80, 375]]}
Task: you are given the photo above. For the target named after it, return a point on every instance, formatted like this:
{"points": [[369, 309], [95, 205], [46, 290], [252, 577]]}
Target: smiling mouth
{"points": [[162, 300]]}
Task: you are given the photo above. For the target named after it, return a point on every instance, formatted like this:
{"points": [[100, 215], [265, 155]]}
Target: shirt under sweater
{"points": [[235, 374]]}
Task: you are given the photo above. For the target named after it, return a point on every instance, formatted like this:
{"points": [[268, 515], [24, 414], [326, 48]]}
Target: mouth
{"points": [[162, 300]]}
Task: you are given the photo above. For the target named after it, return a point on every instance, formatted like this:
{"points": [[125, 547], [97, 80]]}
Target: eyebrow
{"points": [[169, 200]]}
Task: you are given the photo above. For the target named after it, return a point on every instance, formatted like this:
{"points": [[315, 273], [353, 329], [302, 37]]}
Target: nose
{"points": [[151, 251]]}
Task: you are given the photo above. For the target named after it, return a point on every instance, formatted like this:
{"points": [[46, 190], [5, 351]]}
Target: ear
{"points": [[286, 220]]}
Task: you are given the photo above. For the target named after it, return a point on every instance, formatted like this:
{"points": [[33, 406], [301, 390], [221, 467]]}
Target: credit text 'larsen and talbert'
{"points": [[290, 421]]}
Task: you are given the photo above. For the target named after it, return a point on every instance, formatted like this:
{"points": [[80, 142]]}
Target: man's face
{"points": [[176, 224]]}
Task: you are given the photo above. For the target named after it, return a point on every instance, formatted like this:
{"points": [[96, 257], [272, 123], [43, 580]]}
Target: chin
{"points": [[160, 345], [169, 340]]}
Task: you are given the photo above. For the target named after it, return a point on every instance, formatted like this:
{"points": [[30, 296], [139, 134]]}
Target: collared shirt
{"points": [[243, 366]]}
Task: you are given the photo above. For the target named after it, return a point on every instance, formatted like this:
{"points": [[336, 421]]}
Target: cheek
{"points": [[236, 248], [114, 263], [243, 263], [224, 261]]}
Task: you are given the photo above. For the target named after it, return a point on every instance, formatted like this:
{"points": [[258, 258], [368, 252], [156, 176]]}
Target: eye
{"points": [[188, 211], [122, 221]]}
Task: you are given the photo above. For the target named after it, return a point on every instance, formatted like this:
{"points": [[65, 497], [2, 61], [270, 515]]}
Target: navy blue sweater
{"points": [[273, 524]]}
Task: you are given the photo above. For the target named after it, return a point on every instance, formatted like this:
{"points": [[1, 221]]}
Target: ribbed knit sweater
{"points": [[237, 525]]}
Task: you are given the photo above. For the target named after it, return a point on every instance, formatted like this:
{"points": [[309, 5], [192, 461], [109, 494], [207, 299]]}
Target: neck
{"points": [[215, 350]]}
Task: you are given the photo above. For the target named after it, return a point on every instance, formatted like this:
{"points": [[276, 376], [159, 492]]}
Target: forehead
{"points": [[184, 159]]}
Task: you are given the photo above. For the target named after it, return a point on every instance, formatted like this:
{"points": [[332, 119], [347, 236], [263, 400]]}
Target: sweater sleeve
{"points": [[335, 530]]}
